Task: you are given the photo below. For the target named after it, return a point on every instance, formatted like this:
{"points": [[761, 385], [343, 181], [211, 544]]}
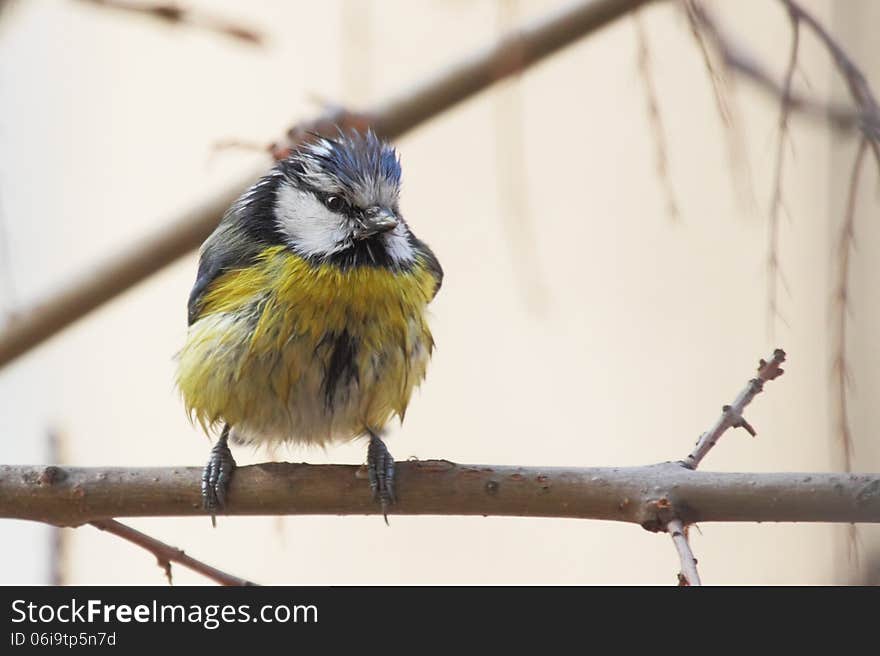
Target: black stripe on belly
{"points": [[341, 366]]}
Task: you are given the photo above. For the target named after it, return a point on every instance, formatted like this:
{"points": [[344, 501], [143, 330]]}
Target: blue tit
{"points": [[307, 320]]}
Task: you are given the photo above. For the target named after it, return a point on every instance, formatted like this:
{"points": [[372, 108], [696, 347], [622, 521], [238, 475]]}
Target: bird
{"points": [[308, 322]]}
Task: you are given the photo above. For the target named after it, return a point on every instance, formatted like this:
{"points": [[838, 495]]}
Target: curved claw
{"points": [[216, 476], [380, 469]]}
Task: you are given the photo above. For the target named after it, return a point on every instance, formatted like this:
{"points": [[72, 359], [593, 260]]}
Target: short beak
{"points": [[376, 221]]}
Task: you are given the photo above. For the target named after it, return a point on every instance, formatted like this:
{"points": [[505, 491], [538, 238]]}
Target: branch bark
{"points": [[391, 119], [731, 415], [71, 496], [689, 575]]}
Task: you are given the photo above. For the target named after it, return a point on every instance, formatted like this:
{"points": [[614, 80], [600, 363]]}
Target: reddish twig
{"points": [[166, 554]]}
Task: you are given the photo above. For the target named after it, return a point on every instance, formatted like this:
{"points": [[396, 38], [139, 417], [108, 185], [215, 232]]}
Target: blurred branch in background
{"points": [[391, 119], [177, 15], [840, 365], [862, 115], [775, 275], [688, 575], [728, 110], [661, 152]]}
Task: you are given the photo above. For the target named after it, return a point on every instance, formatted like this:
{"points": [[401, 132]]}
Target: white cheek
{"points": [[397, 245], [310, 228]]}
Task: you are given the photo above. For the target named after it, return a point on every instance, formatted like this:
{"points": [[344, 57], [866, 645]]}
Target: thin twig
{"points": [[166, 554], [844, 117], [731, 415], [171, 13], [689, 574], [655, 118], [840, 366], [863, 97], [725, 102], [860, 91], [57, 536], [774, 273], [390, 119]]}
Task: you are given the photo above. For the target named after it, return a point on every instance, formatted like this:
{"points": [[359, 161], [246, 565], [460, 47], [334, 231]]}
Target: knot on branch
{"points": [[736, 420], [658, 514], [771, 370]]}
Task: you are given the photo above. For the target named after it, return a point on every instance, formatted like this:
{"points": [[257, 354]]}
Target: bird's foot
{"points": [[216, 476], [380, 468]]}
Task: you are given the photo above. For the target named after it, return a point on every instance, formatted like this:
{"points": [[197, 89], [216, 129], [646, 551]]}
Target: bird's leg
{"points": [[380, 467], [217, 474]]}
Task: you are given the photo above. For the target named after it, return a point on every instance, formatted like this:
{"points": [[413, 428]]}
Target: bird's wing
{"points": [[224, 250], [244, 231], [432, 263]]}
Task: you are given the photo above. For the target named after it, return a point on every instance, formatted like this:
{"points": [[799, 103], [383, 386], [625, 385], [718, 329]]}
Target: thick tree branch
{"points": [[72, 496], [391, 119], [166, 554]]}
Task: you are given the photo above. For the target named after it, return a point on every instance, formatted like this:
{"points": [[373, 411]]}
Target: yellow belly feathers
{"points": [[268, 336]]}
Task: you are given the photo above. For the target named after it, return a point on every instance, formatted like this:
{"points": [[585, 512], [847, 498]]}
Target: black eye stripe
{"points": [[338, 204], [335, 203]]}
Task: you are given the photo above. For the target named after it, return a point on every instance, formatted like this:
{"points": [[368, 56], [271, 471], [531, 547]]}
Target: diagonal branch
{"points": [[732, 415], [861, 118], [166, 554], [391, 119], [177, 15]]}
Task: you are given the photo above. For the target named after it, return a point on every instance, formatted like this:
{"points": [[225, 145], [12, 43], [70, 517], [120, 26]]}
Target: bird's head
{"points": [[337, 199]]}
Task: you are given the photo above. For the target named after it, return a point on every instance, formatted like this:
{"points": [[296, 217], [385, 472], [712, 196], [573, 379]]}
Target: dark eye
{"points": [[336, 203]]}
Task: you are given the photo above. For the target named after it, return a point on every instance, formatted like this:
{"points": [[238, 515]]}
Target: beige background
{"points": [[578, 324]]}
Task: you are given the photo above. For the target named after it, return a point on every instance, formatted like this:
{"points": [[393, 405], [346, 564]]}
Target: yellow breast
{"points": [[289, 350]]}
